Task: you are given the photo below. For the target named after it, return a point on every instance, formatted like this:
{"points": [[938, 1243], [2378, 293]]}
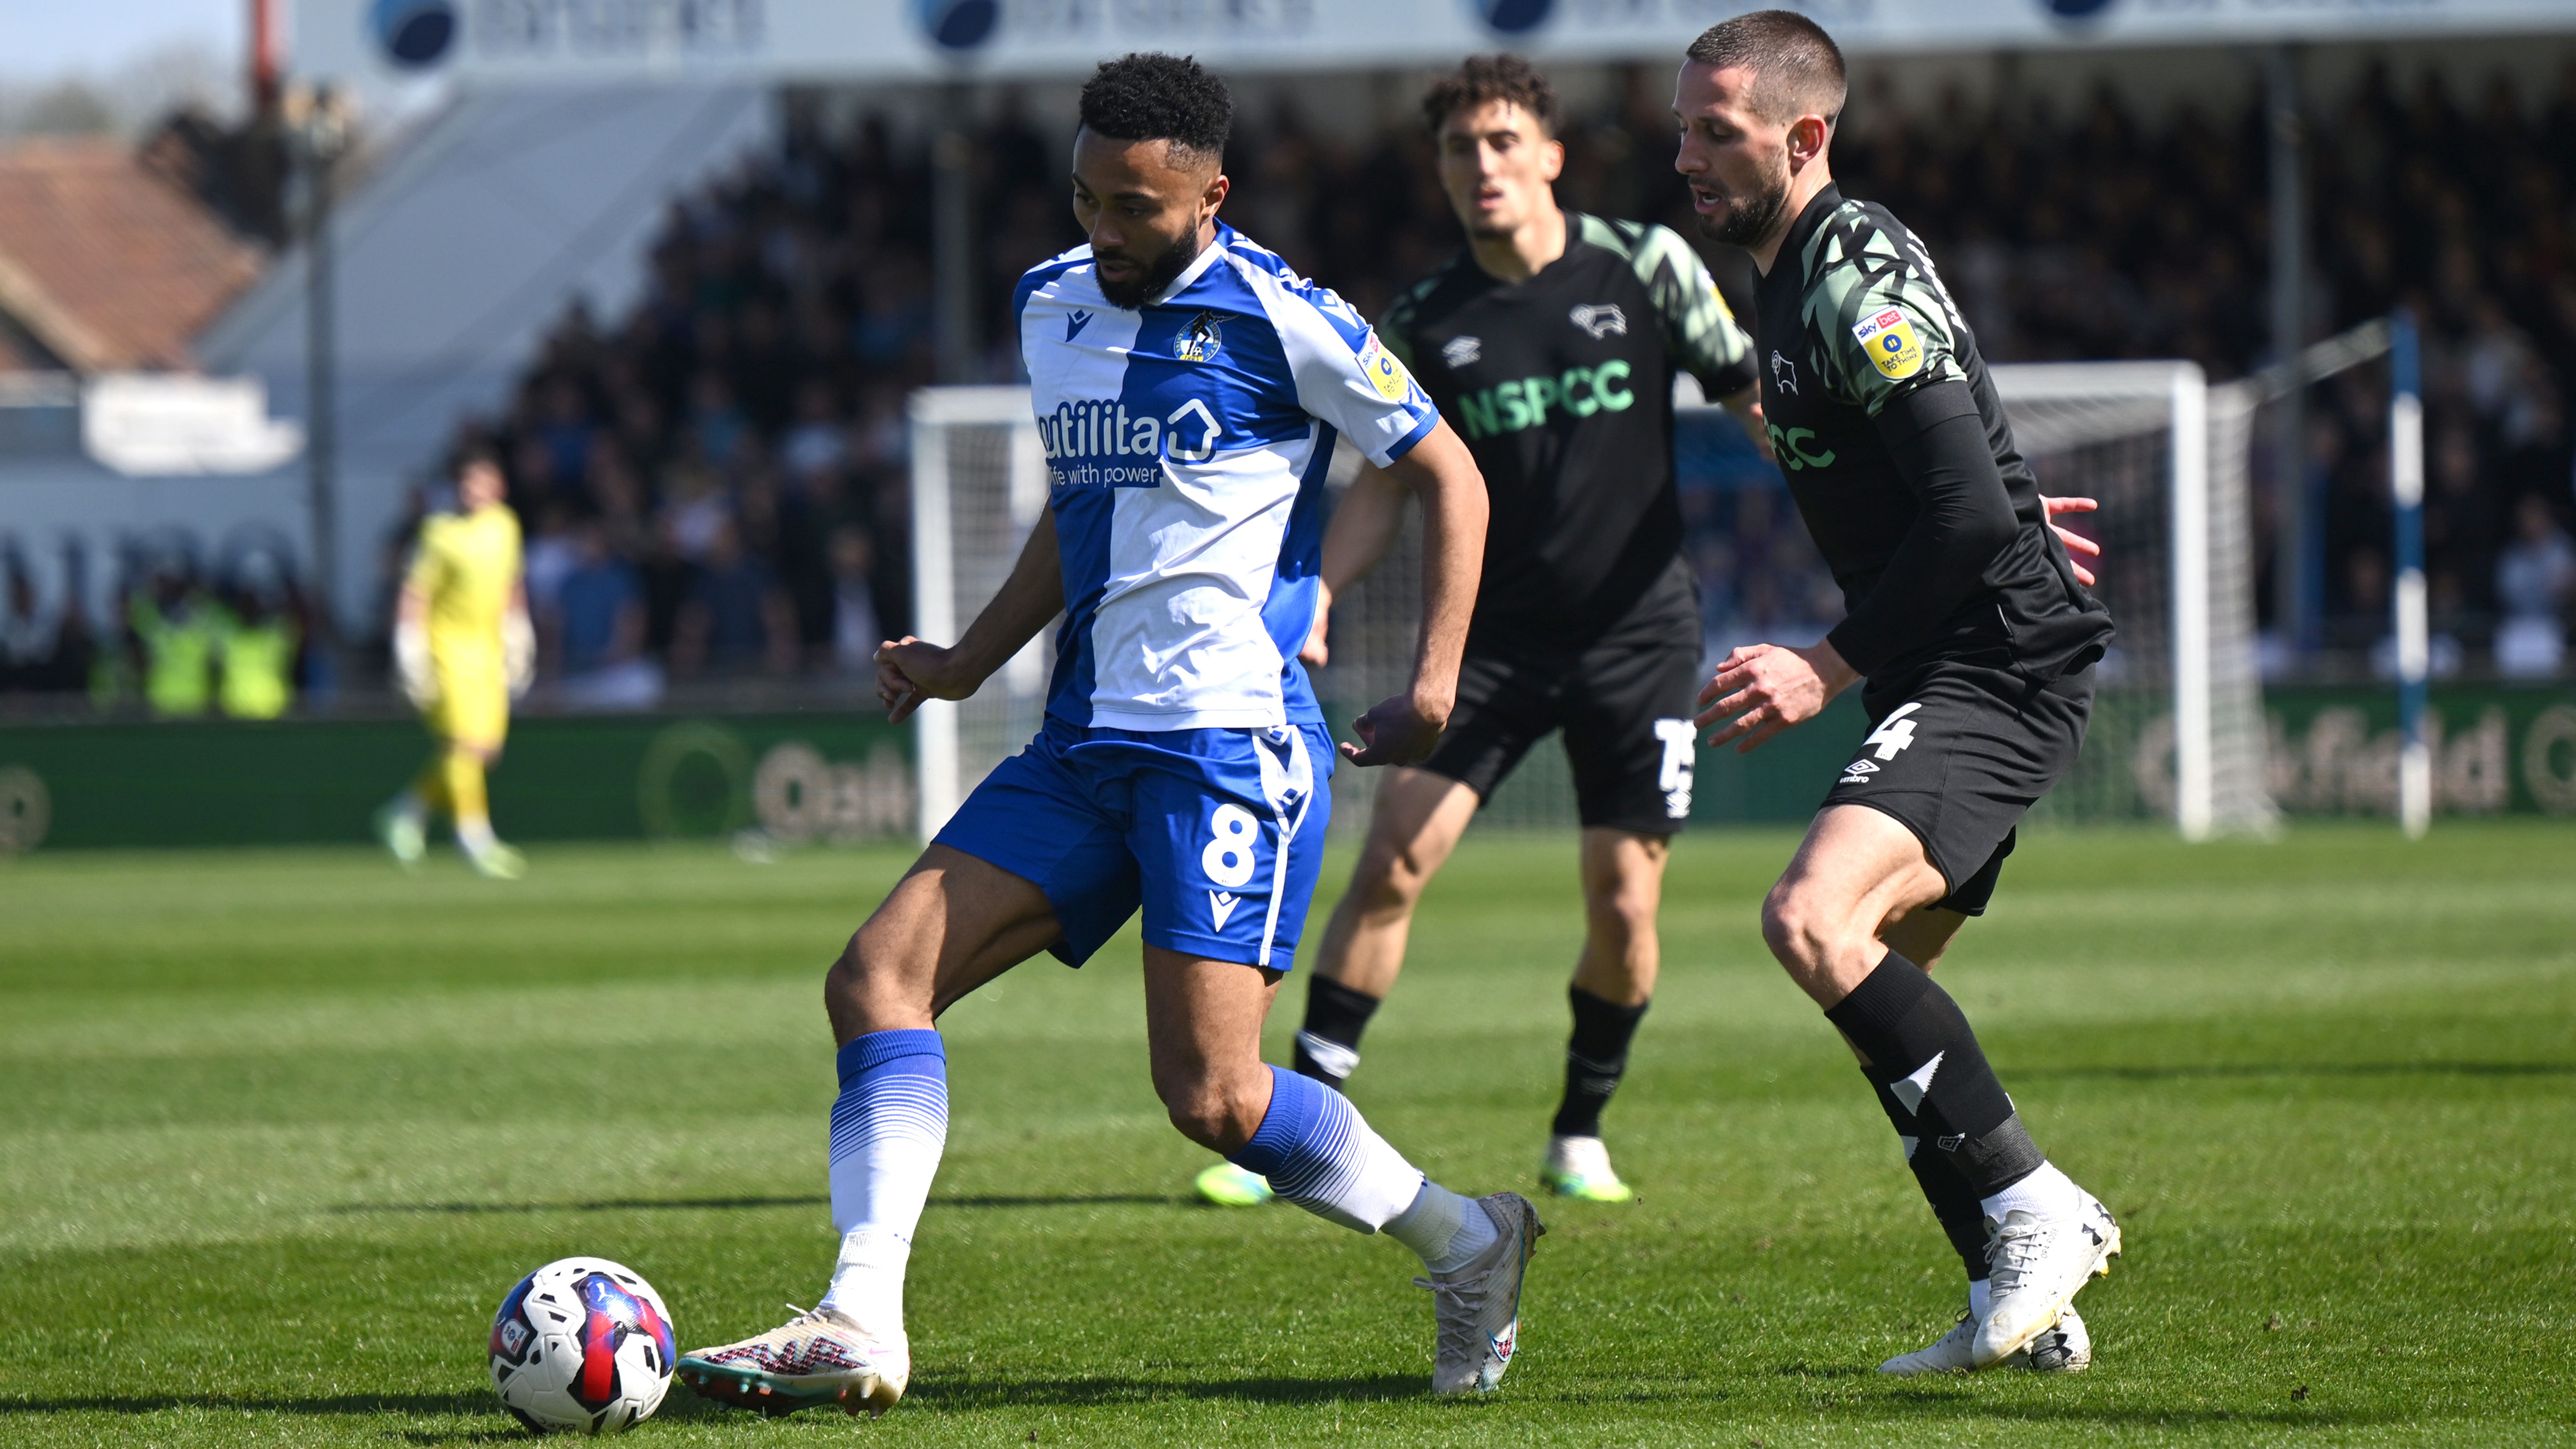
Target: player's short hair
{"points": [[1501, 76], [1797, 68], [1150, 96], [473, 456]]}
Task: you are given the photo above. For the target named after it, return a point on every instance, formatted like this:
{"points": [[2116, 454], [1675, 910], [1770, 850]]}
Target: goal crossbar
{"points": [[979, 480]]}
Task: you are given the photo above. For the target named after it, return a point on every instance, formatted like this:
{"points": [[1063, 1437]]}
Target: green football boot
{"points": [[1227, 1185], [1579, 1167]]}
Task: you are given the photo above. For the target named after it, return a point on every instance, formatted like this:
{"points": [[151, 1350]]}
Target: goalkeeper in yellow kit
{"points": [[462, 650]]}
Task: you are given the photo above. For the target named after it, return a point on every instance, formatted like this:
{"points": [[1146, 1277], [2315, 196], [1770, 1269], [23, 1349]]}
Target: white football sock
{"points": [[867, 1279], [1981, 1298], [2046, 1193], [474, 834], [888, 1129], [1446, 1229]]}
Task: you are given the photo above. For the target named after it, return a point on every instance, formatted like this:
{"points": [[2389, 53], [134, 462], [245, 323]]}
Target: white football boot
{"points": [[816, 1358], [2061, 1348], [2037, 1264], [2064, 1347], [1951, 1353], [1478, 1307]]}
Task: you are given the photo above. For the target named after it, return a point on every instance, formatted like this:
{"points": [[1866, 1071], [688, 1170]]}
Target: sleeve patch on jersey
{"points": [[1890, 342], [1384, 373]]}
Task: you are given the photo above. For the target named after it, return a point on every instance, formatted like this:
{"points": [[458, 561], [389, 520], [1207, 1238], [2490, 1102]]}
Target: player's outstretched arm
{"points": [[1441, 472], [1365, 522], [910, 671]]}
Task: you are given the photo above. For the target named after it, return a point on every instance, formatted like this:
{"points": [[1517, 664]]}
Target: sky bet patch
{"points": [[1889, 340], [1384, 373]]}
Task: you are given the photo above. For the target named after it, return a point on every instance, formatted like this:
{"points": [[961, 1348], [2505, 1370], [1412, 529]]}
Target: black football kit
{"points": [[1975, 643], [1587, 618], [1978, 676]]}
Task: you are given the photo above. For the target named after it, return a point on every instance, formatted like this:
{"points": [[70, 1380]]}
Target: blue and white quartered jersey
{"points": [[1186, 444]]}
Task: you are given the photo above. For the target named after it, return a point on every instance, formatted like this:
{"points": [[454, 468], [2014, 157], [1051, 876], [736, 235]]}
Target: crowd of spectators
{"points": [[714, 483], [188, 636]]}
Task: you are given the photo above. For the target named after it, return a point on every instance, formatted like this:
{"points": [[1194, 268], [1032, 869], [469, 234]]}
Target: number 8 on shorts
{"points": [[1230, 854]]}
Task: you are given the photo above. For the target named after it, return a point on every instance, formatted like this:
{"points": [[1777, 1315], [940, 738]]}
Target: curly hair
{"points": [[1498, 77], [1149, 96]]}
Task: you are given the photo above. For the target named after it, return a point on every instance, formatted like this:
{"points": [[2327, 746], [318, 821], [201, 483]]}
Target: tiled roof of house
{"points": [[105, 264]]}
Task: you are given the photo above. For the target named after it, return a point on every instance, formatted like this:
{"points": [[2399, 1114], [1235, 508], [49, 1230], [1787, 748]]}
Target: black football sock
{"points": [[1962, 1217], [1920, 1048], [1328, 1048], [1596, 1056]]}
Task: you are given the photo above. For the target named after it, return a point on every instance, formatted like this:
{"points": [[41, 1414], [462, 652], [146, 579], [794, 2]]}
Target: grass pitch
{"points": [[281, 1128]]}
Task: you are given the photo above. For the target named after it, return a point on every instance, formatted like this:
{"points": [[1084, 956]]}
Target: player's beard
{"points": [[1749, 216], [1159, 273]]}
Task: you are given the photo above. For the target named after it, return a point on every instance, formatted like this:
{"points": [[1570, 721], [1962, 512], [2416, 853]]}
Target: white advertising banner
{"points": [[553, 41]]}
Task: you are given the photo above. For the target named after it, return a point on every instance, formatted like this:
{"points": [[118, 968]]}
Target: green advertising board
{"points": [[830, 776], [295, 782]]}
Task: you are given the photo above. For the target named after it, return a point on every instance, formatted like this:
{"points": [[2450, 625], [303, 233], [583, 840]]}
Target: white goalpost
{"points": [[2178, 728], [978, 482], [2178, 719]]}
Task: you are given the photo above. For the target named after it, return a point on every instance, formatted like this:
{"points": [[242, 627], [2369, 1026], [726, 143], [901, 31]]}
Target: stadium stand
{"points": [[713, 481]]}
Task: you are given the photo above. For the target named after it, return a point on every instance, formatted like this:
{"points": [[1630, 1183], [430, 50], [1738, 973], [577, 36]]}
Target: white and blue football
{"points": [[582, 1346]]}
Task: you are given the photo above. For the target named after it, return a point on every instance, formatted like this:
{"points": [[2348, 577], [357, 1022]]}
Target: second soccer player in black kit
{"points": [[1968, 630], [1550, 342]]}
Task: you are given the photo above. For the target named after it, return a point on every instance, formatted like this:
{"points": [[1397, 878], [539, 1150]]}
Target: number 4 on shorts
{"points": [[1894, 733]]}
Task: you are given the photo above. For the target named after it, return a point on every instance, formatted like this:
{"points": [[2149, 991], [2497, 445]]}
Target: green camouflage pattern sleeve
{"points": [[1700, 331], [1395, 324], [1877, 317]]}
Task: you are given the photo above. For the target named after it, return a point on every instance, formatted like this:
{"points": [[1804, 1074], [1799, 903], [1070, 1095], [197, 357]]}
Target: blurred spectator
{"points": [[2535, 580], [26, 635], [818, 445], [550, 552], [256, 639], [593, 628], [736, 618], [856, 632], [173, 625]]}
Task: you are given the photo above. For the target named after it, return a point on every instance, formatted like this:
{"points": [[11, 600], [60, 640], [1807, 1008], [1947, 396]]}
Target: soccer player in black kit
{"points": [[1968, 631], [1550, 342]]}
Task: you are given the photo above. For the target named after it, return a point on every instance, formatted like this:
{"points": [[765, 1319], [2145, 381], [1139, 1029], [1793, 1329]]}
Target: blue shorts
{"points": [[1217, 833]]}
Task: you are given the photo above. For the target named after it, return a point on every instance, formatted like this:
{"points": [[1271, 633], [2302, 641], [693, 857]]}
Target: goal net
{"points": [[2177, 728], [2177, 731], [978, 484]]}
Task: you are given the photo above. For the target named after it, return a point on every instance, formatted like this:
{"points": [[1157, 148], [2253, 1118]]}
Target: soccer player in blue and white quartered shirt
{"points": [[1189, 390]]}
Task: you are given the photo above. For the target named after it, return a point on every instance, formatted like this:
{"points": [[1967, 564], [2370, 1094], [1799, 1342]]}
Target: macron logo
{"points": [[1221, 904], [1074, 323]]}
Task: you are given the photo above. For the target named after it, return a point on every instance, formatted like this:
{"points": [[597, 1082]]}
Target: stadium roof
{"points": [[104, 265]]}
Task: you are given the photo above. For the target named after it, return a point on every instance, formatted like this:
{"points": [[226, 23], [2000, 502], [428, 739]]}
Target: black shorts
{"points": [[1623, 700], [1957, 755]]}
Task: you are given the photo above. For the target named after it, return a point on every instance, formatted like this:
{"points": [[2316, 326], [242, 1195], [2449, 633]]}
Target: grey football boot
{"points": [[1478, 1307]]}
